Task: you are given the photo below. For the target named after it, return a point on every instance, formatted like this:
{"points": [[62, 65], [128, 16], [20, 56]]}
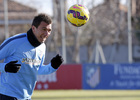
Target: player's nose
{"points": [[46, 33]]}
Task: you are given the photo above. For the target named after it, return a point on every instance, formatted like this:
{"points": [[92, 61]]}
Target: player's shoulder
{"points": [[17, 38], [14, 41]]}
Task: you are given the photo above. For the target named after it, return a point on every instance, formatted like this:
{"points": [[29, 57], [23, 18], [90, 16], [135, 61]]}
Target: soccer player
{"points": [[23, 56]]}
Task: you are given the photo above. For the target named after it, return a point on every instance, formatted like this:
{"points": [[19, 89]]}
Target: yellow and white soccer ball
{"points": [[78, 15]]}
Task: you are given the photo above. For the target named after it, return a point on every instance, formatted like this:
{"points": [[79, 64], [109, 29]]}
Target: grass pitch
{"points": [[86, 95]]}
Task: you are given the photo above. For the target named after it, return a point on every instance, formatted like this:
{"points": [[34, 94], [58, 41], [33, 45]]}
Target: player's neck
{"points": [[32, 39]]}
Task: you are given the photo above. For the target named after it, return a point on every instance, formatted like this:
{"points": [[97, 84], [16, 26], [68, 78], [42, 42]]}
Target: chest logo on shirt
{"points": [[31, 61]]}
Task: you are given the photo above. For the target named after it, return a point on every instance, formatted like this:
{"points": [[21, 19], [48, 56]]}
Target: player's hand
{"points": [[56, 61], [12, 67]]}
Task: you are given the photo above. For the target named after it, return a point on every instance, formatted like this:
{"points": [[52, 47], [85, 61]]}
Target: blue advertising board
{"points": [[111, 76]]}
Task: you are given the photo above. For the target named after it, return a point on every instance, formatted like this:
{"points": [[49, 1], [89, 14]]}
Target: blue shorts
{"points": [[5, 97]]}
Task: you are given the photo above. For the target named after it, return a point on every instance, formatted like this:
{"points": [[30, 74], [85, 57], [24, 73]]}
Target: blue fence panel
{"points": [[111, 76]]}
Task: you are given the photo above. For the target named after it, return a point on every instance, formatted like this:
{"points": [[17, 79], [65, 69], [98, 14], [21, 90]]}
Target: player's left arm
{"points": [[52, 66]]}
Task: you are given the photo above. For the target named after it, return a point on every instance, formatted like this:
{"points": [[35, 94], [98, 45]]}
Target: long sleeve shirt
{"points": [[31, 56]]}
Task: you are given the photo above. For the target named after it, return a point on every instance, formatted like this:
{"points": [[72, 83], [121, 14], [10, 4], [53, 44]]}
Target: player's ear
{"points": [[33, 28]]}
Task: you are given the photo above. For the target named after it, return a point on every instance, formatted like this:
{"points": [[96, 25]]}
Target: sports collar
{"points": [[32, 39]]}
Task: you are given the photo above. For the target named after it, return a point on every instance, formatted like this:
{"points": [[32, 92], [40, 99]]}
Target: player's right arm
{"points": [[7, 48]]}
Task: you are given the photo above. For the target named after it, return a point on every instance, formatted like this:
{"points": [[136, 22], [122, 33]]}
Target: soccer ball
{"points": [[78, 15]]}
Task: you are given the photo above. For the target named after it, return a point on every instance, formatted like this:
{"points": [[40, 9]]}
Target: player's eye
{"points": [[44, 29]]}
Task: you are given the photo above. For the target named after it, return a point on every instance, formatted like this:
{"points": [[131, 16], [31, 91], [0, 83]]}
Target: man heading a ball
{"points": [[23, 56]]}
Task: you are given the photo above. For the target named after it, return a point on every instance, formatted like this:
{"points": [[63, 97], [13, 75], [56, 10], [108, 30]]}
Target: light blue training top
{"points": [[22, 83]]}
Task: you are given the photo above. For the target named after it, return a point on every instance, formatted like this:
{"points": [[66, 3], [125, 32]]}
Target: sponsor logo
{"points": [[31, 61]]}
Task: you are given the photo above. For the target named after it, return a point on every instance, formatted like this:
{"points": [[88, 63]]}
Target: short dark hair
{"points": [[41, 17]]}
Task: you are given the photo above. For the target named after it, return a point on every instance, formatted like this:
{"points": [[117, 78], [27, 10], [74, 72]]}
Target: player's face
{"points": [[42, 32]]}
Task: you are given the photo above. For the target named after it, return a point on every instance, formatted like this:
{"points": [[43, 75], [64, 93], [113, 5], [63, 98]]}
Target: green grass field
{"points": [[86, 95]]}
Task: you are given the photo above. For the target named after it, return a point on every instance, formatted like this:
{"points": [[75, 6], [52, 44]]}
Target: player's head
{"points": [[41, 27], [39, 18]]}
